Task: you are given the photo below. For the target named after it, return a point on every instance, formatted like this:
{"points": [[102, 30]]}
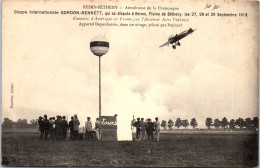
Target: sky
{"points": [[214, 73]]}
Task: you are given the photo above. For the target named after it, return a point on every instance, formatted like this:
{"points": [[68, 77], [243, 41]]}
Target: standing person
{"points": [[58, 128], [98, 128], [46, 127], [136, 124], [142, 127], [88, 127], [51, 119], [71, 128], [157, 125], [40, 122], [150, 129], [76, 124], [132, 123], [54, 130], [65, 127]]}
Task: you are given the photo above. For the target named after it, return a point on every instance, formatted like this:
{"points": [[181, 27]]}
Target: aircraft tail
{"points": [[191, 31]]}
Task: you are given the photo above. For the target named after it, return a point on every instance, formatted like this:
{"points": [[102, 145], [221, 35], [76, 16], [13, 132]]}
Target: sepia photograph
{"points": [[95, 83]]}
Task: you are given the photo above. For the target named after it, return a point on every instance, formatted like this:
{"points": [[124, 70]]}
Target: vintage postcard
{"points": [[94, 83]]}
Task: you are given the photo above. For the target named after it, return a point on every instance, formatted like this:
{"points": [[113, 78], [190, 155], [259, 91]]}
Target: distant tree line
{"points": [[19, 124], [179, 123], [247, 123]]}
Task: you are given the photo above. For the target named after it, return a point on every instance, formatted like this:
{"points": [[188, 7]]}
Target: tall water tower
{"points": [[99, 46]]}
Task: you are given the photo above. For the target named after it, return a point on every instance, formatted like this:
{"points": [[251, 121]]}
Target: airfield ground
{"points": [[176, 149]]}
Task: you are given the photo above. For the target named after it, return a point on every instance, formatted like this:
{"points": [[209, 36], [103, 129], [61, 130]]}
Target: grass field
{"points": [[174, 150]]}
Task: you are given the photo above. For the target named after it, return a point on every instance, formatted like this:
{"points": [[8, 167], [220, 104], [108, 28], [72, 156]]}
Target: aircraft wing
{"points": [[183, 32], [167, 43]]}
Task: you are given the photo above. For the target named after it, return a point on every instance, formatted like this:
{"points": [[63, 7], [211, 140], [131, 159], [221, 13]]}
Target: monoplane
{"points": [[174, 40]]}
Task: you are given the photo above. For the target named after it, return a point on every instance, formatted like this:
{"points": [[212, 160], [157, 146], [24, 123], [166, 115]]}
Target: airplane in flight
{"points": [[174, 40]]}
